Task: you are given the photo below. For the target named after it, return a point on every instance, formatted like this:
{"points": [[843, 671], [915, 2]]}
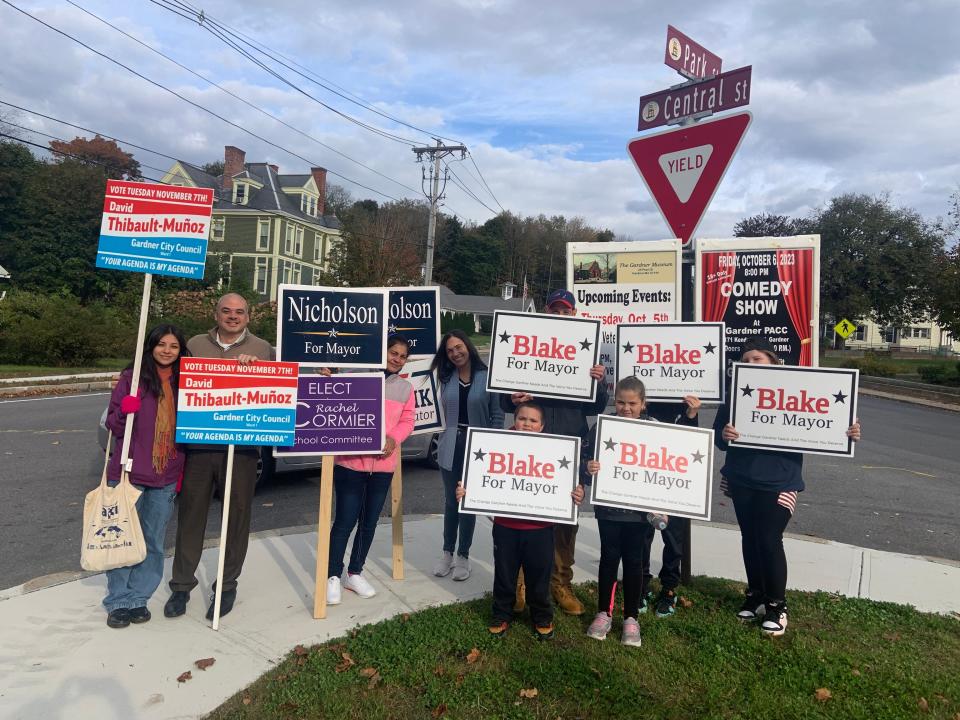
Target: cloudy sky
{"points": [[847, 96]]}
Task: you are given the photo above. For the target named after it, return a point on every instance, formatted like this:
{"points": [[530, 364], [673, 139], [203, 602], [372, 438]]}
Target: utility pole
{"points": [[435, 153]]}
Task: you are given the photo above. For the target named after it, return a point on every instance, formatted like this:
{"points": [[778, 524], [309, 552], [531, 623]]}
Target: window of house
{"points": [[216, 228], [298, 242], [240, 193], [860, 333], [318, 248], [889, 334], [296, 273], [261, 275], [263, 236], [288, 242], [918, 333]]}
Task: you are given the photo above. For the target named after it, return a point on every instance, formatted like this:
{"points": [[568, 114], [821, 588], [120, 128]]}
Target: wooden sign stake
{"points": [[222, 551], [396, 511], [323, 538]]}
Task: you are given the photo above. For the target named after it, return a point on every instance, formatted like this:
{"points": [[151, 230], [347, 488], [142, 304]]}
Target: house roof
{"points": [[3, 273], [270, 197], [482, 304]]}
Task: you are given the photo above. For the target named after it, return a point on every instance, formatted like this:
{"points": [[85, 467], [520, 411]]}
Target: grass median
{"points": [[840, 658]]}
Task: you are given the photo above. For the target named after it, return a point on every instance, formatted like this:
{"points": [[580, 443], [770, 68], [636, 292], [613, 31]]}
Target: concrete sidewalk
{"points": [[60, 660]]}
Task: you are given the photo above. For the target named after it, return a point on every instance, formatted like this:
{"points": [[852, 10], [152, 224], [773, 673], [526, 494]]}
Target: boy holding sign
{"points": [[523, 544]]}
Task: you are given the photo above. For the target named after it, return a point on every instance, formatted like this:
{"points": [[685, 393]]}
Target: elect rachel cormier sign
{"points": [[520, 475], [653, 467], [804, 410], [544, 355], [332, 327]]}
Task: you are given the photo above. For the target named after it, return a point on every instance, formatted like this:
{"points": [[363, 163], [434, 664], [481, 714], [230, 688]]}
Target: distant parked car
{"points": [[418, 447]]}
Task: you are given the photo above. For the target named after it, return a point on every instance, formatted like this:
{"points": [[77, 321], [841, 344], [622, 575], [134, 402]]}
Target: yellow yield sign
{"points": [[845, 328]]}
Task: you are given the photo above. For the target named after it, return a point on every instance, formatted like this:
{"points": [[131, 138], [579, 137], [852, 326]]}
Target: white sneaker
{"points": [[461, 568], [443, 567], [333, 590], [359, 585]]}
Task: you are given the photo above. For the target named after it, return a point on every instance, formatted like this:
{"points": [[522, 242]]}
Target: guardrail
{"points": [[938, 393]]}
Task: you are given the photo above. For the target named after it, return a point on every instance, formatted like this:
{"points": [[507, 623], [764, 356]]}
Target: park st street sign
{"points": [[689, 58]]}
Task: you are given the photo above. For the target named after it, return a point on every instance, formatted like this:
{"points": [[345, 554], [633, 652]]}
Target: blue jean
{"points": [[359, 501], [454, 521], [132, 586]]}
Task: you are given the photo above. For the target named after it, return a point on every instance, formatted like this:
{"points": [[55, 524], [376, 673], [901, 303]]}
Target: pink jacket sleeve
{"points": [[401, 431]]}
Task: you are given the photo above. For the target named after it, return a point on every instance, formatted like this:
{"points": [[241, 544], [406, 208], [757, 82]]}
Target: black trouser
{"points": [[672, 536], [205, 469], [628, 542], [762, 522], [531, 550]]}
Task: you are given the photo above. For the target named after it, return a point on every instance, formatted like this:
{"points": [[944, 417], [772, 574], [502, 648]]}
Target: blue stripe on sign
{"points": [[249, 419], [185, 250]]}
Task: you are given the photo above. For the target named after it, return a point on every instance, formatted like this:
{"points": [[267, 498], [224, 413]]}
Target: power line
{"points": [[187, 100], [485, 182], [238, 97], [312, 76]]}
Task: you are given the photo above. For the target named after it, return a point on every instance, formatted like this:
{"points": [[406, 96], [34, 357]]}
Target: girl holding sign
{"points": [[362, 481], [157, 466], [466, 403], [763, 485]]}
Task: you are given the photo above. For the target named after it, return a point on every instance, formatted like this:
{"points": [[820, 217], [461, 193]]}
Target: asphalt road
{"points": [[900, 493]]}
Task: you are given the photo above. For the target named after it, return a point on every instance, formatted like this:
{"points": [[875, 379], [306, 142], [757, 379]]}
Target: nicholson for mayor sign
{"points": [[222, 402], [545, 355], [158, 229], [332, 327], [415, 314]]}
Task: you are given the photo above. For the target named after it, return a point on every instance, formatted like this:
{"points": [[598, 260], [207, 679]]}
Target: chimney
{"points": [[276, 169], [233, 159], [320, 178]]}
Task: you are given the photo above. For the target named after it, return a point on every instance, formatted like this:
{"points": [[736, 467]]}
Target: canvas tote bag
{"points": [[112, 536]]}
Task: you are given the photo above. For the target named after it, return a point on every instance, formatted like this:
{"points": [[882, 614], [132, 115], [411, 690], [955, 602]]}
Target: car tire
{"points": [[433, 452], [265, 467]]}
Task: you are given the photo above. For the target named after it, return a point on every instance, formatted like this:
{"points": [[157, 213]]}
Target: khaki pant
{"points": [[204, 470], [564, 544]]}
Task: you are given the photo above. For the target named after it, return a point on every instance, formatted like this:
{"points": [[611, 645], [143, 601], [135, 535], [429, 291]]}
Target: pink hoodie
{"points": [[398, 414]]}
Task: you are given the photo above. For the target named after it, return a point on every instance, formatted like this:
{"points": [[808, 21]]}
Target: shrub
{"points": [[457, 321], [57, 330], [871, 364], [935, 374]]}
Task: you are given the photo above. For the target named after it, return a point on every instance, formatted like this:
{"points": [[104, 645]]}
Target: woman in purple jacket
{"points": [[157, 466]]}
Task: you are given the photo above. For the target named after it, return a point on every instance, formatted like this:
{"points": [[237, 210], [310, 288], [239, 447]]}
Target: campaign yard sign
{"points": [[338, 415], [221, 402], [520, 475], [428, 416], [804, 410], [152, 228], [332, 327], [654, 467], [674, 359], [545, 355], [415, 314]]}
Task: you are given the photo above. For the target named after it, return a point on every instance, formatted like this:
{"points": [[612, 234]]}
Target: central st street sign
{"points": [[683, 167], [726, 91], [689, 58]]}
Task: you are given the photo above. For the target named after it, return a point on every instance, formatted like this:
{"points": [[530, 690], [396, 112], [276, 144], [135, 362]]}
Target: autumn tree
{"points": [[769, 225], [100, 152]]}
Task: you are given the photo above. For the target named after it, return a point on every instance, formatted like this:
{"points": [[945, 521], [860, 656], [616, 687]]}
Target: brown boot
{"points": [[566, 600], [521, 601]]}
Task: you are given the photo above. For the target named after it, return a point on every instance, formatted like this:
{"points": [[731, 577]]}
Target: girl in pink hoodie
{"points": [[361, 481]]}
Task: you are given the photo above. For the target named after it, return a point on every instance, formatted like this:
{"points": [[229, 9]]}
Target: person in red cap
{"points": [[562, 417]]}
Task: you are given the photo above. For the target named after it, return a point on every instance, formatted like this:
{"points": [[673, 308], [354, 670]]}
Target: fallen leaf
{"points": [[55, 442], [204, 663], [246, 700], [405, 617], [439, 671], [459, 679], [939, 697], [281, 678], [685, 602], [439, 710], [346, 663], [892, 637], [822, 694], [856, 673], [300, 650], [596, 672], [923, 704], [473, 656], [528, 692], [301, 661], [374, 681], [368, 672], [183, 677]]}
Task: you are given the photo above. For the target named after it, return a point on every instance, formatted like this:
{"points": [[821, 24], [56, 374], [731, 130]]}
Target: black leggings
{"points": [[629, 542], [762, 522]]}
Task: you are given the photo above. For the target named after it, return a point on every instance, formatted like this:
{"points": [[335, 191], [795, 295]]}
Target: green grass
{"points": [[103, 365], [877, 660]]}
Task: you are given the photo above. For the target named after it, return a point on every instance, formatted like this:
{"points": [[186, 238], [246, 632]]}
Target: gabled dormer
{"points": [[244, 185]]}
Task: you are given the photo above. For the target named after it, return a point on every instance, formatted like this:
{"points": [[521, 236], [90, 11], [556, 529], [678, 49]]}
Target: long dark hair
{"points": [[441, 363], [149, 379]]}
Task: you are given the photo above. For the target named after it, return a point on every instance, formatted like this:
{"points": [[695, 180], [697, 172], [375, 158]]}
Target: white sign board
{"points": [[544, 355], [521, 475], [674, 359], [428, 411], [806, 410], [624, 282], [654, 467]]}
